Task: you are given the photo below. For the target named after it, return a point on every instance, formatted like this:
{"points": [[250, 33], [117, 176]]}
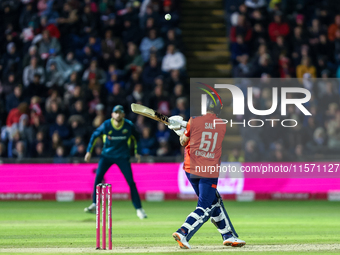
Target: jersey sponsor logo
{"points": [[125, 131], [116, 137]]}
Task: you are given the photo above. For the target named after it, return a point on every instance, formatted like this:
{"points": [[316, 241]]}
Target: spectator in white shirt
{"points": [[173, 60], [31, 70]]}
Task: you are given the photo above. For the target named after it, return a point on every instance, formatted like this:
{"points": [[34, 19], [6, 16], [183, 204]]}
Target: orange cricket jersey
{"points": [[203, 153]]}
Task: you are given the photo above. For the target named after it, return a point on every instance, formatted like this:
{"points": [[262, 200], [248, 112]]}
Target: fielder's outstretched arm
{"points": [[97, 133]]}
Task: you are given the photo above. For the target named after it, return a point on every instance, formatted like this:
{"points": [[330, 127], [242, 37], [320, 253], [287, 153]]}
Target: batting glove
{"points": [[177, 122], [180, 132]]}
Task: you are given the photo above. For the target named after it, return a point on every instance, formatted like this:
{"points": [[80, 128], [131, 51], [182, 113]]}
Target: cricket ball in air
{"points": [[167, 16]]}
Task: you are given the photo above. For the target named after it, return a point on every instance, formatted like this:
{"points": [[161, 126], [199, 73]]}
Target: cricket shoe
{"points": [[141, 213], [91, 208], [230, 240], [181, 240]]}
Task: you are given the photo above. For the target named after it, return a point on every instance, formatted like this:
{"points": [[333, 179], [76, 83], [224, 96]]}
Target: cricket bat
{"points": [[152, 114]]}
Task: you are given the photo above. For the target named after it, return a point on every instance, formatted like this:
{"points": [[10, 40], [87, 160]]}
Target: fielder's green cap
{"points": [[118, 108]]}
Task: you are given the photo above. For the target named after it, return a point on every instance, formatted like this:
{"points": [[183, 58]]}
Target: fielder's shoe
{"points": [[230, 240], [181, 240], [91, 208], [141, 213]]}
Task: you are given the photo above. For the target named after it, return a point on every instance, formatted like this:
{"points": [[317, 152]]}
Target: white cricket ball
{"points": [[167, 16]]}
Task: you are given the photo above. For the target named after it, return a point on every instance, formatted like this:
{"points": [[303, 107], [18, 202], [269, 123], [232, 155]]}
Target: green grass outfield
{"points": [[268, 227]]}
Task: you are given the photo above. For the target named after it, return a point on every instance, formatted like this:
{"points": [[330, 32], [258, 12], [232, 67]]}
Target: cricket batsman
{"points": [[117, 134], [203, 148]]}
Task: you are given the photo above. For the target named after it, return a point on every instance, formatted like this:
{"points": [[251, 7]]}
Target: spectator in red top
{"points": [[333, 28], [242, 28], [15, 114], [53, 29], [277, 28]]}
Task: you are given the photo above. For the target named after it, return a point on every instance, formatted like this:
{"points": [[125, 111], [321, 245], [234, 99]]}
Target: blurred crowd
{"points": [[288, 39], [64, 64]]}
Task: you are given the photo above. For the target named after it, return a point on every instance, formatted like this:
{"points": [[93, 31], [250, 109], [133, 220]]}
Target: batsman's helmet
{"points": [[214, 105]]}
